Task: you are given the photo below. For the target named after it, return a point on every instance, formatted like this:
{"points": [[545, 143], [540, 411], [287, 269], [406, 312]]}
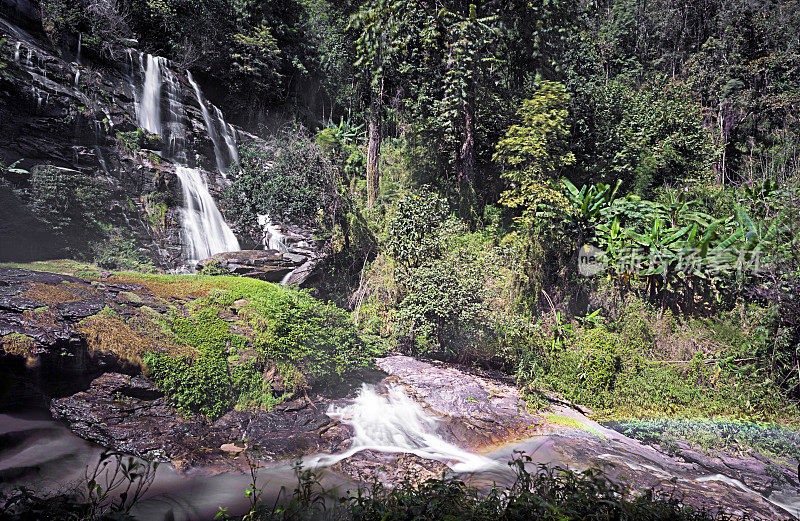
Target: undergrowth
{"points": [[712, 436], [543, 494]]}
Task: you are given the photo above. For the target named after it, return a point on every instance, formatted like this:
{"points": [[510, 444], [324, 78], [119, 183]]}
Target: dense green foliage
{"points": [[261, 50], [288, 178], [458, 156], [711, 435], [282, 341]]}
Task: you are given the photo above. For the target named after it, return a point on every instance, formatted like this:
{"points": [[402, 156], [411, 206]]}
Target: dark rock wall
{"points": [[57, 112]]}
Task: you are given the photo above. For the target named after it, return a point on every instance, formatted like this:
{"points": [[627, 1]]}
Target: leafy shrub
{"points": [[443, 311], [297, 339], [214, 267], [203, 384], [288, 178], [411, 237], [639, 364], [309, 340]]}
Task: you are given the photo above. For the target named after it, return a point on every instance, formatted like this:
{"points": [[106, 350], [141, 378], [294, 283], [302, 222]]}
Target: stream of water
{"points": [[396, 423], [205, 232], [44, 455]]}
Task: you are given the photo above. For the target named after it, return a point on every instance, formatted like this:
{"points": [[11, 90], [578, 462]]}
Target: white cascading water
{"points": [[397, 424], [229, 135], [205, 232], [274, 239], [149, 105], [175, 132], [230, 143]]}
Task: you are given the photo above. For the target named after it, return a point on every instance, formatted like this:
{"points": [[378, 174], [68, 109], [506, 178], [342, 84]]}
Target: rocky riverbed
{"points": [[65, 349], [469, 411]]}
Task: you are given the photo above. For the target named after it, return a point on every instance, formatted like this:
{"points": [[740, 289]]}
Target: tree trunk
{"points": [[465, 163], [374, 148]]}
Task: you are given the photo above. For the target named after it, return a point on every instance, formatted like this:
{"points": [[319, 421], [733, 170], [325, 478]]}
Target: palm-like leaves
{"points": [[671, 241]]}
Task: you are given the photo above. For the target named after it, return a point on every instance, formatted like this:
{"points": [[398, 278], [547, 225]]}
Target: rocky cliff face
{"points": [[78, 114]]}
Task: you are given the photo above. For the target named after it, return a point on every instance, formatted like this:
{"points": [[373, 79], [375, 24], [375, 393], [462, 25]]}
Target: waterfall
{"points": [[80, 46], [229, 136], [16, 51], [397, 423], [212, 132], [274, 239], [205, 232], [175, 132], [227, 131], [150, 103]]}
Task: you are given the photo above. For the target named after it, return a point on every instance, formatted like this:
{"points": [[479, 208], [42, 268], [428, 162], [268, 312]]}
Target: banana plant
{"points": [[588, 204]]}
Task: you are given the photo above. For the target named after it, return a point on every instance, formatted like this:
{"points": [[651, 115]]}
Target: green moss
{"points": [[306, 341], [18, 344]]}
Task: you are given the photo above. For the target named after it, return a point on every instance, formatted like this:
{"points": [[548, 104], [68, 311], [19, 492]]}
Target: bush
{"points": [[638, 363], [292, 342], [310, 342], [411, 231], [443, 312], [203, 384], [288, 178]]}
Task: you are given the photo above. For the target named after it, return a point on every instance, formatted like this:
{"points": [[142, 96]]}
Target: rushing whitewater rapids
{"points": [[396, 423], [47, 457]]}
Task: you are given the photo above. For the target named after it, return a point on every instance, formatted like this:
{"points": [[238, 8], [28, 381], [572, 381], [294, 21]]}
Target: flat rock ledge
{"points": [[478, 411], [291, 267], [129, 414]]}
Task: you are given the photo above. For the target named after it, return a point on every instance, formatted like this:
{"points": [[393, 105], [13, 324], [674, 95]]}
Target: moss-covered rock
{"points": [[210, 343]]}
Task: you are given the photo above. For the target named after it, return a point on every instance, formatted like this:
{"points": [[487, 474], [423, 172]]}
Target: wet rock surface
{"points": [[269, 265], [47, 306], [480, 411], [295, 263], [129, 414], [369, 467], [642, 468]]}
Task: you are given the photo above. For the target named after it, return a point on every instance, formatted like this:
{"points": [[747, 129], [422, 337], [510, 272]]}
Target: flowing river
{"points": [[44, 455]]}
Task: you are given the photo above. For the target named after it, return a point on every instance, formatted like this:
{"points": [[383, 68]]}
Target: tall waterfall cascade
{"points": [[205, 232], [149, 106], [229, 154]]}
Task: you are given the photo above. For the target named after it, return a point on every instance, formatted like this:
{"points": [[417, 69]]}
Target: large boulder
{"points": [[268, 265], [288, 267], [128, 413]]}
